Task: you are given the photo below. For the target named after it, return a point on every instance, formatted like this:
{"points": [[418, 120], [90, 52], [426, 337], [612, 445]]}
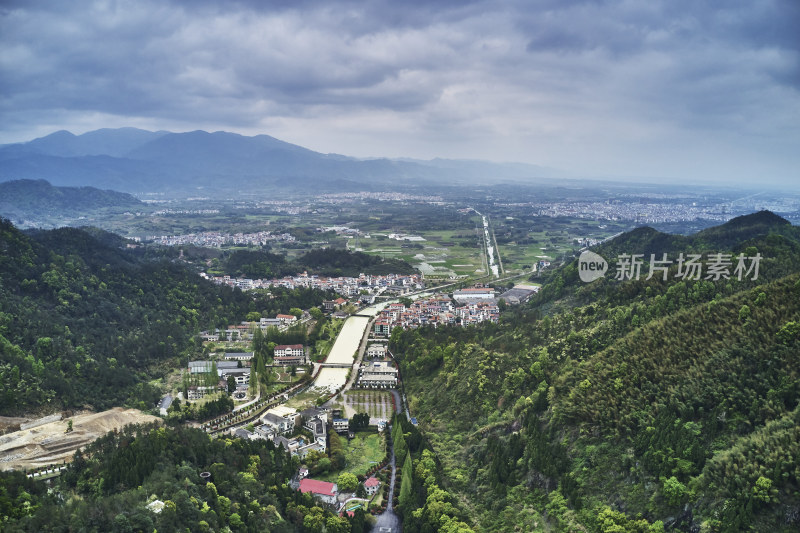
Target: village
{"points": [[331, 414], [337, 437], [365, 287], [330, 402]]}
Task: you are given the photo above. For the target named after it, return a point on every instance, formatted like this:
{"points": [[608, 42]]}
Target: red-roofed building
{"points": [[290, 354], [383, 327], [371, 485], [286, 319], [321, 489]]}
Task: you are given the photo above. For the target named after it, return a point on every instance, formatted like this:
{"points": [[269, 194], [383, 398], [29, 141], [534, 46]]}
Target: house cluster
{"points": [[377, 375], [235, 364], [216, 239], [346, 286], [477, 312], [244, 330], [280, 422], [436, 311]]}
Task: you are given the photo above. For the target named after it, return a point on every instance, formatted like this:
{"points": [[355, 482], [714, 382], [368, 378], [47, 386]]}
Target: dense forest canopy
{"points": [[322, 261], [110, 484], [86, 322], [629, 405]]}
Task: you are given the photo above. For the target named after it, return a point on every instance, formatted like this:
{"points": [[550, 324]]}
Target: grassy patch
{"points": [[361, 453]]}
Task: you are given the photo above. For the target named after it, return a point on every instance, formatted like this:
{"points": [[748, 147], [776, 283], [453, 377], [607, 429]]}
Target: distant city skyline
{"points": [[638, 90]]}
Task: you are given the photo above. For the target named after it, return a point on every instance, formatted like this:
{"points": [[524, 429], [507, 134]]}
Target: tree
{"points": [[407, 483], [296, 311], [323, 466], [399, 441], [337, 524], [231, 384], [253, 316], [347, 481], [359, 421], [789, 332], [762, 489], [316, 313], [235, 521], [674, 491], [213, 376], [744, 313]]}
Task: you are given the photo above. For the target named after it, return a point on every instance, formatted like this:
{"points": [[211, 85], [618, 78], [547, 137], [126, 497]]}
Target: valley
{"points": [[434, 338]]}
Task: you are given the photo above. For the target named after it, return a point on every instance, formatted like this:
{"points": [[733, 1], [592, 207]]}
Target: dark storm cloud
{"points": [[504, 79]]}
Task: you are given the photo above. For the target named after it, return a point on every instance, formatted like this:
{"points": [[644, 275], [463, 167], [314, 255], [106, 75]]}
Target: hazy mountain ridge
{"points": [[773, 236], [38, 200], [134, 160]]}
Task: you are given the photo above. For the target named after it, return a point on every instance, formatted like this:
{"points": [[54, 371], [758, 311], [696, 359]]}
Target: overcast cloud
{"points": [[691, 89]]}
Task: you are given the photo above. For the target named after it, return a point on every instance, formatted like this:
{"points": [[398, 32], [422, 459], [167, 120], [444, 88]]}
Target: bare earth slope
{"points": [[49, 443]]}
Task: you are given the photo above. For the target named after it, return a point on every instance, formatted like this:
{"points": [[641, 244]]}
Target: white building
{"points": [[290, 354], [376, 351], [239, 356], [279, 421], [377, 375], [465, 295]]}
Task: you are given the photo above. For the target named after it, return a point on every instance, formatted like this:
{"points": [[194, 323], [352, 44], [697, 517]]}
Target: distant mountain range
{"points": [[134, 160]]}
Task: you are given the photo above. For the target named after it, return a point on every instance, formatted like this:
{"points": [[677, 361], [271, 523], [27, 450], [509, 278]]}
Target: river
{"points": [[345, 348]]}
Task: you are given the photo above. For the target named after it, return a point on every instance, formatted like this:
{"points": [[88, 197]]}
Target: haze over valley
{"points": [[345, 267]]}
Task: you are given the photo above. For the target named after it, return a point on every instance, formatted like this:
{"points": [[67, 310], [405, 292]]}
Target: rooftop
{"points": [[317, 487]]}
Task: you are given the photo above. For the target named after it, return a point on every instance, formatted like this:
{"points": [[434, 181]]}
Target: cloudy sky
{"points": [[687, 89]]}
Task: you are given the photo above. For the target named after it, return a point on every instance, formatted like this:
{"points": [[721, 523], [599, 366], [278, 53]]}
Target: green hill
{"points": [[148, 478], [626, 405], [86, 322], [38, 201]]}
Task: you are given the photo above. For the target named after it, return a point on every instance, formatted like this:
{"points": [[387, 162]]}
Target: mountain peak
{"points": [[761, 218]]}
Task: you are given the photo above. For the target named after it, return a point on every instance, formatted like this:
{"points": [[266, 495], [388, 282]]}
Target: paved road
{"points": [[388, 521]]}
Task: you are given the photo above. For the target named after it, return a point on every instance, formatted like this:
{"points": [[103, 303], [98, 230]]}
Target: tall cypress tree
{"points": [[400, 447], [407, 483]]}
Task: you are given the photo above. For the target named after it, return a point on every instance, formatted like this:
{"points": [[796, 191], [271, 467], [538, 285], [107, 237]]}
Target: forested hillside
{"points": [[109, 486], [322, 261], [630, 405], [38, 200], [87, 322]]}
